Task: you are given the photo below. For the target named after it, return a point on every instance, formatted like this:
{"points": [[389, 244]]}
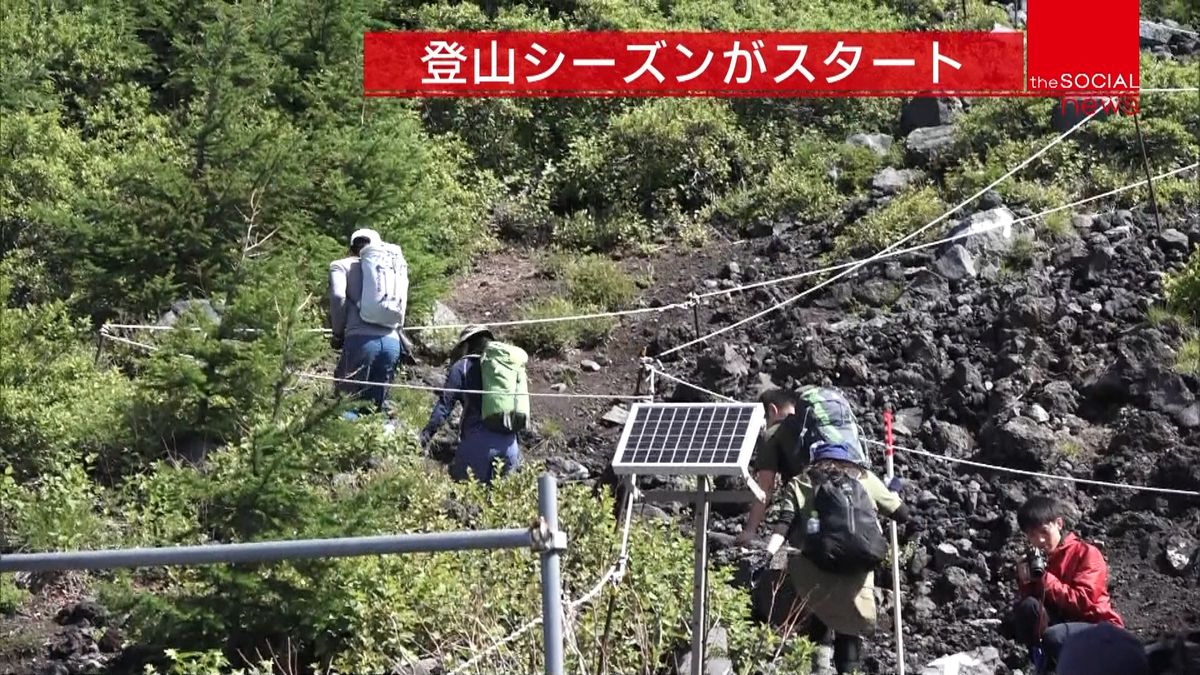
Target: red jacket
{"points": [[1075, 584]]}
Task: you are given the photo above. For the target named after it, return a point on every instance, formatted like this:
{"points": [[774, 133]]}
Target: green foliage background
{"points": [[152, 151]]}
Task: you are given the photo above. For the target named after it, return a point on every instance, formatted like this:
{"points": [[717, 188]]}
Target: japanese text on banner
{"points": [[690, 63]]}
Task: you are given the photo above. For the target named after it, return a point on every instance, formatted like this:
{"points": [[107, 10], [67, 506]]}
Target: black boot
{"points": [[847, 654]]}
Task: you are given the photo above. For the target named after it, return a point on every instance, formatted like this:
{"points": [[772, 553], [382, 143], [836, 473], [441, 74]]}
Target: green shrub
{"points": [[53, 398], [1058, 224], [908, 210], [595, 281], [585, 232], [1183, 289], [1041, 184], [663, 153], [61, 509], [371, 613], [1180, 10], [554, 337], [1187, 359], [11, 596], [1019, 258], [797, 186], [856, 165]]}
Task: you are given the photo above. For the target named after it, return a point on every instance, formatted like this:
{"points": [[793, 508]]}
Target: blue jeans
{"points": [[477, 451], [369, 359]]}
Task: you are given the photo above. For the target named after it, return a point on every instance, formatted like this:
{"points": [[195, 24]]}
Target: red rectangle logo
{"points": [[681, 63], [1086, 50]]}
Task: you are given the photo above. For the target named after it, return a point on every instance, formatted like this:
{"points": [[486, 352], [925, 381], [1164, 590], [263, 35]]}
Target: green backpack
{"points": [[506, 387]]}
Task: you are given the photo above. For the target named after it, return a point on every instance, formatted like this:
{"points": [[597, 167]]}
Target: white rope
{"points": [[614, 574], [448, 326], [157, 328], [501, 643], [877, 256], [693, 386], [1168, 90], [726, 291], [946, 240], [398, 385], [1036, 474], [577, 317], [132, 343], [1166, 27]]}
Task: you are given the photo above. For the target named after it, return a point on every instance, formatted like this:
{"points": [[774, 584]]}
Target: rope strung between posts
{"points": [[399, 385], [980, 465], [449, 326], [614, 575], [1038, 474], [689, 384], [962, 235], [881, 254]]}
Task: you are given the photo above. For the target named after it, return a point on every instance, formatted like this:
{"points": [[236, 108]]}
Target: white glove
{"points": [[777, 541]]}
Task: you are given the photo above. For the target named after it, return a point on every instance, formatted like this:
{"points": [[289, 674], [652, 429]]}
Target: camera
{"points": [[1037, 563]]}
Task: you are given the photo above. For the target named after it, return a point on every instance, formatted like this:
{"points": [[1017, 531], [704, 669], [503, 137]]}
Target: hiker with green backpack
{"points": [[490, 420]]}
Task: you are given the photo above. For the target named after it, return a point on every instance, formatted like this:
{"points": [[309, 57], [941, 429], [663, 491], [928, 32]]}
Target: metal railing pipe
{"points": [[267, 551]]}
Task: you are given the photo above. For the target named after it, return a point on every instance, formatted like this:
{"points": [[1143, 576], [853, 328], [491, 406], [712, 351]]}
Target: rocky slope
{"points": [[1053, 369], [1016, 348]]}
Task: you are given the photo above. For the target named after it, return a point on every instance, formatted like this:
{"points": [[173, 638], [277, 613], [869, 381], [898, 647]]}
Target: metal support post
{"points": [[700, 578], [552, 619]]}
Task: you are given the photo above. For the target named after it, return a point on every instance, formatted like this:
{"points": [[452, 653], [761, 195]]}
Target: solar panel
{"points": [[688, 438]]}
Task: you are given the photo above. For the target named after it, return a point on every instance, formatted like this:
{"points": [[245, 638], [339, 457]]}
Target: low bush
{"points": [[798, 186], [1183, 289], [594, 281], [554, 337], [908, 210]]}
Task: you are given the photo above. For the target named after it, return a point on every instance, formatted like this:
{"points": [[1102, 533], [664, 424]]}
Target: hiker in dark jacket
{"points": [[839, 603], [478, 446], [778, 405], [795, 425], [1071, 594]]}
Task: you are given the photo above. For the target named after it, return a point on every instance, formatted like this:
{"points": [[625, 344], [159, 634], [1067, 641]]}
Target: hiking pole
{"points": [[891, 473]]}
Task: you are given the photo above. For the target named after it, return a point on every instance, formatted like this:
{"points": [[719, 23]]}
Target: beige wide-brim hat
{"points": [[465, 336]]}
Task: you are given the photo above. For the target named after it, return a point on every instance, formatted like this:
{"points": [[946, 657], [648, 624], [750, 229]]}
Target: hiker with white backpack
{"points": [[368, 296], [491, 419]]}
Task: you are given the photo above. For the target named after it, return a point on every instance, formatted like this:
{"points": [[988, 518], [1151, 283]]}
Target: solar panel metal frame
{"points": [[738, 467]]}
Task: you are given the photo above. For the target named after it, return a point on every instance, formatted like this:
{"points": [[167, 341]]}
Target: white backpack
{"points": [[384, 285]]}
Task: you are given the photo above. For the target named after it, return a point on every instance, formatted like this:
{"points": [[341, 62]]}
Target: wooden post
{"points": [[1146, 165]]}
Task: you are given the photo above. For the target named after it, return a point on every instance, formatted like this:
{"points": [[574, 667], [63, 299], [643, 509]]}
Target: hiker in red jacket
{"points": [[1062, 584]]}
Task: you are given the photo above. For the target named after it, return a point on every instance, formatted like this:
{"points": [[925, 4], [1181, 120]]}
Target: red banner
{"points": [[1083, 50], [613, 63]]}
